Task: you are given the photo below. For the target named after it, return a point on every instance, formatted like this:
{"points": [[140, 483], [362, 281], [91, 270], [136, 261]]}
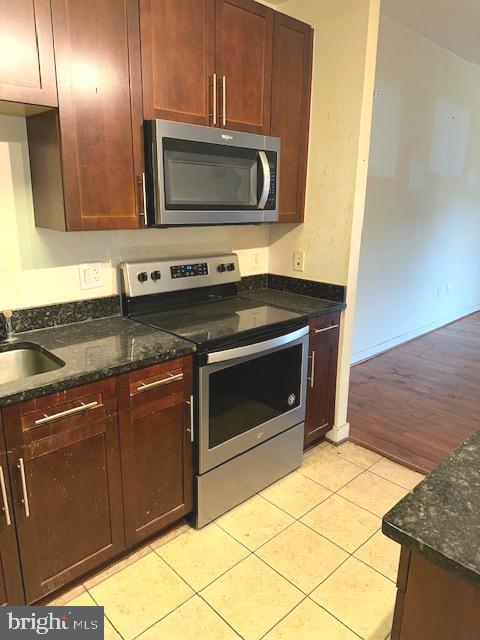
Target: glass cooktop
{"points": [[223, 321]]}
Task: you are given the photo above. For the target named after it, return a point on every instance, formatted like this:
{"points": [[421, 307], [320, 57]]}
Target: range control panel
{"points": [[163, 276], [188, 270]]}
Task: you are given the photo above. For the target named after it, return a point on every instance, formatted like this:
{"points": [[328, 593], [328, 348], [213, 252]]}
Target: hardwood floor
{"points": [[419, 401]]}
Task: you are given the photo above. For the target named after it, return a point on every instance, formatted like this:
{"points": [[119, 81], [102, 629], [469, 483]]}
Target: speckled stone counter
{"points": [[92, 350], [313, 307], [440, 518]]}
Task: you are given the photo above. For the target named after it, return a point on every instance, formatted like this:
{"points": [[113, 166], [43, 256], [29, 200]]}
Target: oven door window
{"points": [[202, 176], [248, 394]]}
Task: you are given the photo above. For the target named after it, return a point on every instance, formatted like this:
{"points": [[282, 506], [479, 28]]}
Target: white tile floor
{"points": [[303, 560]]}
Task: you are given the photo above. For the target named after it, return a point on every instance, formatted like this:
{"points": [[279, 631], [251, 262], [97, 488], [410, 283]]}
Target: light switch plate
{"points": [[91, 275]]}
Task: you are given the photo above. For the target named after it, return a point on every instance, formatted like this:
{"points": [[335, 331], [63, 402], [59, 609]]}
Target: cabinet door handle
{"points": [[26, 504], [312, 371], [190, 404], [214, 99], [6, 508], [67, 413], [224, 100], [142, 207], [332, 326], [160, 383]]}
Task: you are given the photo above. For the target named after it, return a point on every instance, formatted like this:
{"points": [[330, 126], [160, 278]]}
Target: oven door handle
{"points": [[266, 179], [255, 349]]}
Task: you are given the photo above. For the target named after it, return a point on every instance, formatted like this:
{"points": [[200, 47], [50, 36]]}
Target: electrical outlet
{"points": [[91, 275], [449, 290], [256, 258], [299, 260]]}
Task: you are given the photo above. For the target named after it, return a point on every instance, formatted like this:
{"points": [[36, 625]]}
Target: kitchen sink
{"points": [[25, 359]]}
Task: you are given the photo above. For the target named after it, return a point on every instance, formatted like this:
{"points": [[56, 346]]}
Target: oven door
{"points": [[249, 394]]}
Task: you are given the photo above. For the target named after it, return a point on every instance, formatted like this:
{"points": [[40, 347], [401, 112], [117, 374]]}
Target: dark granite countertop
{"points": [[440, 518], [92, 350], [295, 302]]}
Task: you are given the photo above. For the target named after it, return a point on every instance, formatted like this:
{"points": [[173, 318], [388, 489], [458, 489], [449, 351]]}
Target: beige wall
{"points": [[346, 33], [38, 266], [337, 94], [420, 258]]}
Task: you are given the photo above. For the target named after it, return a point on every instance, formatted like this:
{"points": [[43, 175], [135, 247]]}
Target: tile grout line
{"points": [[220, 616]]}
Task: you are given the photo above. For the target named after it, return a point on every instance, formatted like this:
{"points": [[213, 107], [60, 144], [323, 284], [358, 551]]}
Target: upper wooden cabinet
{"points": [[243, 61], [177, 59], [291, 92], [86, 161], [27, 68]]}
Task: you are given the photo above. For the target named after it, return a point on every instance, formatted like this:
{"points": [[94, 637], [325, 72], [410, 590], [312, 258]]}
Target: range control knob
{"points": [[221, 268], [231, 267], [155, 275], [143, 276]]}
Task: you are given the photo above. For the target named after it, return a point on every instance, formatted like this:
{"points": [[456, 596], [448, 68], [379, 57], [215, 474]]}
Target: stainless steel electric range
{"points": [[250, 373]]}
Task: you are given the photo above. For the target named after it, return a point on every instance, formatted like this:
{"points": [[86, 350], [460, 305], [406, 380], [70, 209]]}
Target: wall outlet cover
{"points": [[91, 275], [299, 260]]}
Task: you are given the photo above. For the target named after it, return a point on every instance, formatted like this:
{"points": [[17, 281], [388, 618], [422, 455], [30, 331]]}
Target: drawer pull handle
{"points": [[333, 326], [65, 414], [21, 466], [160, 383], [6, 508]]}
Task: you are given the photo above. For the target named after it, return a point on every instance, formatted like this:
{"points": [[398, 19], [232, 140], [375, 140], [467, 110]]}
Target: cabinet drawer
{"points": [[327, 322], [143, 386], [34, 420]]}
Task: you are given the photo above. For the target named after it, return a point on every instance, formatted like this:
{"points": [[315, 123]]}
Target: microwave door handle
{"points": [[266, 179]]}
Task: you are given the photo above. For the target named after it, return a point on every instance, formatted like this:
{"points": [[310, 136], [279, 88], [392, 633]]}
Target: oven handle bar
{"points": [[254, 349]]}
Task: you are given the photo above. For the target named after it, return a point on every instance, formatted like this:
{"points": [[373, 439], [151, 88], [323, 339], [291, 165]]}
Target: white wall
{"points": [[422, 220], [38, 266]]}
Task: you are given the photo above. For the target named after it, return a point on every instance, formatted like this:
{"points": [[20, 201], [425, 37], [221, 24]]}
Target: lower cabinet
{"points": [[11, 589], [156, 444], [83, 481], [323, 356], [68, 505]]}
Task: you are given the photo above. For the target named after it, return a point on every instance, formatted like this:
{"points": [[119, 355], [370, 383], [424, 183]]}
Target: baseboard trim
{"points": [[388, 345], [338, 435]]}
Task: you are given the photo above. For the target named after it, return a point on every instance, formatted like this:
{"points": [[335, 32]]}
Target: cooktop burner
{"points": [[197, 299]]}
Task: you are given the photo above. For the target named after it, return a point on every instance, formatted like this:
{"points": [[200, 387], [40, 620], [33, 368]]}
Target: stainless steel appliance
{"points": [[197, 175], [250, 373]]}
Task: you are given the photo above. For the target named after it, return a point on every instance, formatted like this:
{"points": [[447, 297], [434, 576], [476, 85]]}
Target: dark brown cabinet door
{"points": [[27, 68], [68, 505], [157, 464], [291, 92], [177, 59], [95, 148], [243, 60], [324, 334], [11, 589]]}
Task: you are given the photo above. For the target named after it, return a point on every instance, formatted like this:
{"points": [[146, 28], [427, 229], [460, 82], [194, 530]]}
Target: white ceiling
{"points": [[453, 24]]}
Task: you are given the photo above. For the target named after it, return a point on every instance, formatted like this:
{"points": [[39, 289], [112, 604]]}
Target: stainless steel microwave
{"points": [[197, 175]]}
